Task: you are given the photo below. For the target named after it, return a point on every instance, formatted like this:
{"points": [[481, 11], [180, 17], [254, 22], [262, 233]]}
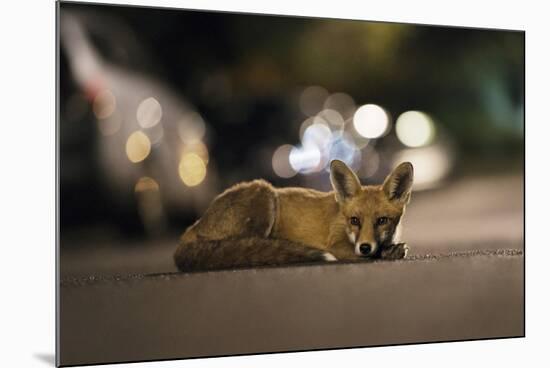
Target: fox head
{"points": [[371, 214]]}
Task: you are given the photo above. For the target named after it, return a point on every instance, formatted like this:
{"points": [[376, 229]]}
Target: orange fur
{"points": [[320, 220]]}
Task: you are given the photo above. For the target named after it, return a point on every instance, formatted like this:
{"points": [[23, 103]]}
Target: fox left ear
{"points": [[398, 184], [344, 181]]}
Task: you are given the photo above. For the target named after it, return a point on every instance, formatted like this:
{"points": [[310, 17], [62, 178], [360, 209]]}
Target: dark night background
{"points": [[245, 76]]}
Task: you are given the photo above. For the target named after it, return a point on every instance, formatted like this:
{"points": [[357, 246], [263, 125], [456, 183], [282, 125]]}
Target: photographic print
{"points": [[235, 183]]}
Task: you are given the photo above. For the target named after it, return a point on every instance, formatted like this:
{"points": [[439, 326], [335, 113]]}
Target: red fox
{"points": [[255, 224]]}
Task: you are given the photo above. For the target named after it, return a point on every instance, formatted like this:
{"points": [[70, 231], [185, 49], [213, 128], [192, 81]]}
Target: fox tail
{"points": [[204, 255]]}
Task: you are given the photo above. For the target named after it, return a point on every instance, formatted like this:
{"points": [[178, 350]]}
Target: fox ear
{"points": [[344, 181], [398, 184]]}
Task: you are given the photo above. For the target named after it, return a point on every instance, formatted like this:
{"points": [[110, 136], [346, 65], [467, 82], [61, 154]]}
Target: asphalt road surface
{"points": [[463, 280]]}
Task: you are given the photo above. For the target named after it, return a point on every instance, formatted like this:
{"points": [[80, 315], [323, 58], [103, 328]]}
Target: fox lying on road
{"points": [[255, 224]]}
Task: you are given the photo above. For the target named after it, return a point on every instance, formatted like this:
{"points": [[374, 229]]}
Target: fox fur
{"points": [[256, 224]]}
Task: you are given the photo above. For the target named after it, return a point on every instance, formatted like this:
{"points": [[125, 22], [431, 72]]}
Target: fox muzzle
{"points": [[365, 249]]}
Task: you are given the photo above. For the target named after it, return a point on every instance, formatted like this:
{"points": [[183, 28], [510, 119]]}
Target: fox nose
{"points": [[365, 249]]}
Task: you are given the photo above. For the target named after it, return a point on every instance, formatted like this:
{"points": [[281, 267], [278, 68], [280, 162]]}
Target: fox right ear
{"points": [[398, 185], [344, 181]]}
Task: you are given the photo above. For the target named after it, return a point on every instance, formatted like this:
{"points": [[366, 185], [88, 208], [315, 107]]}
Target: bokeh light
{"points": [[371, 121], [342, 103], [318, 137], [146, 183], [110, 125], [281, 162], [431, 164], [191, 128], [192, 169], [198, 148], [312, 99], [305, 159], [305, 124], [155, 134], [415, 129], [138, 147], [317, 134], [343, 149], [354, 138], [104, 104], [331, 117], [149, 112]]}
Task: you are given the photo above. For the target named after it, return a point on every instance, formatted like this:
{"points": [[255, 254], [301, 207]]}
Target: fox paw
{"points": [[395, 251]]}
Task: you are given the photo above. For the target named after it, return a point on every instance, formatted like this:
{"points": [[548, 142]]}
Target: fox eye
{"points": [[354, 221], [382, 220]]}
